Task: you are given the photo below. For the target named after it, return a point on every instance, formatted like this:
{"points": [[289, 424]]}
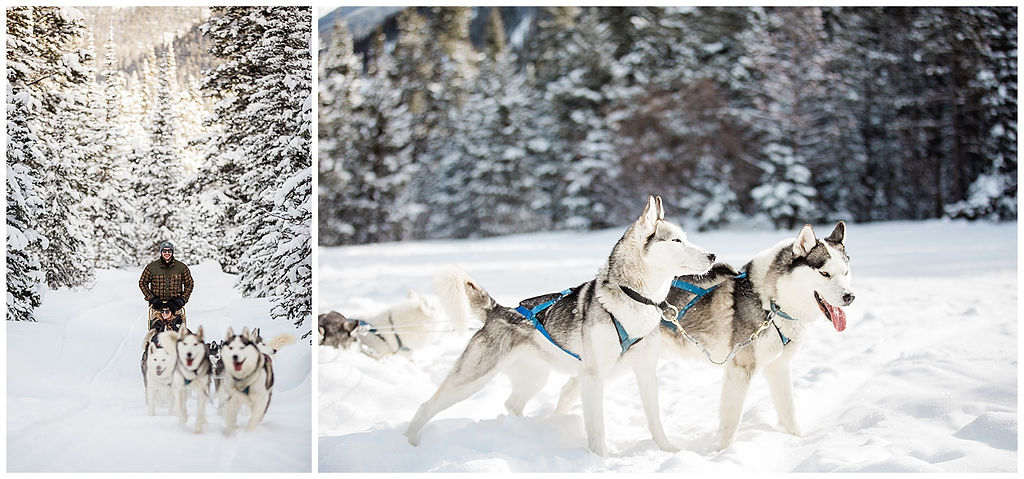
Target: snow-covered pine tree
{"points": [[785, 53], [266, 81], [380, 168], [339, 81], [489, 178], [159, 173], [24, 205], [114, 236], [580, 100]]}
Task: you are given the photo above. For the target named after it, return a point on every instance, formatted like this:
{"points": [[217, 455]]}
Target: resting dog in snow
{"points": [[400, 329], [777, 295], [250, 376], [607, 322], [192, 374]]}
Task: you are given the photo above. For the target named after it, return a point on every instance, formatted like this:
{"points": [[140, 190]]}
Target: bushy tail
{"points": [[462, 298], [280, 341]]}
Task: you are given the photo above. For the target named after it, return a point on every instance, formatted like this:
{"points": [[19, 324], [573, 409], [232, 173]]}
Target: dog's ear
{"points": [[349, 326], [805, 241], [320, 329], [661, 208], [838, 235], [152, 348], [199, 332], [231, 334], [650, 214], [245, 334]]}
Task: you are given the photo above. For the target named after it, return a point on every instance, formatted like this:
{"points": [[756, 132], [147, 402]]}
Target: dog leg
{"points": [[151, 401], [569, 395], [592, 394], [474, 368], [201, 401], [647, 380], [734, 392], [528, 378], [231, 414], [260, 404], [180, 397], [781, 385]]}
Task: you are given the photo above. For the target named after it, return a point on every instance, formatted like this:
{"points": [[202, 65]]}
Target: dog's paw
{"points": [[667, 446], [599, 449]]}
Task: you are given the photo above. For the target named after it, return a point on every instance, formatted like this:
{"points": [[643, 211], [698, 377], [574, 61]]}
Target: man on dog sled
{"points": [[166, 284]]}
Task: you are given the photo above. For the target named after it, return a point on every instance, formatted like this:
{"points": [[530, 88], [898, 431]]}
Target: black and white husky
{"points": [[192, 374], [398, 330], [249, 377], [596, 327], [774, 298]]}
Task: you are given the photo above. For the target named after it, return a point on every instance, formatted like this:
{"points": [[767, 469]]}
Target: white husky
{"points": [[159, 370], [587, 331], [250, 377]]}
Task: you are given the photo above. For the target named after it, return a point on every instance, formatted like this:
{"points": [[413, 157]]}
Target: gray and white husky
{"points": [[785, 288], [192, 374], [594, 328], [250, 378]]}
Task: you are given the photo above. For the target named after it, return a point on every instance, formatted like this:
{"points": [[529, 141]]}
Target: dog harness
{"points": [[700, 293], [625, 340], [531, 314], [374, 331]]}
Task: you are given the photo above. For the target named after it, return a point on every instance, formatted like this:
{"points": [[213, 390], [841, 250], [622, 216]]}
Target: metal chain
{"points": [[753, 337]]}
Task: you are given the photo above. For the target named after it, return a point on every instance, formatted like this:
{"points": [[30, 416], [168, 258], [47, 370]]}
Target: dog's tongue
{"points": [[838, 317], [188, 361], [238, 366]]}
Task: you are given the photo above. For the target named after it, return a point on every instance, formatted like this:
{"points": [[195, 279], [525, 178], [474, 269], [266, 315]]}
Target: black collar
{"points": [[635, 296]]}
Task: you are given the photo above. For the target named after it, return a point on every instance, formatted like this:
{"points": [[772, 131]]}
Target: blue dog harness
{"points": [[531, 314], [700, 293], [625, 340]]}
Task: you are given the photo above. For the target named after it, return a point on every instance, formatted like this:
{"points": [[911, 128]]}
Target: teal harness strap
{"points": [[698, 294], [625, 342], [531, 314]]}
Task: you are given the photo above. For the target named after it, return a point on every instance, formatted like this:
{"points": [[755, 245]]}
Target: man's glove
{"points": [[155, 303], [176, 303]]}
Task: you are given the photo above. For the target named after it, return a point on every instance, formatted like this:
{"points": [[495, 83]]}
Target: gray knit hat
{"points": [[166, 245]]}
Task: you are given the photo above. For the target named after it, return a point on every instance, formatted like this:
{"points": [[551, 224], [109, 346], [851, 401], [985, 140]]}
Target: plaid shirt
{"points": [[166, 281]]}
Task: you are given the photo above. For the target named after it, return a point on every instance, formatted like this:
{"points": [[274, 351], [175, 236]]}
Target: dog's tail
{"points": [[462, 298], [280, 341]]}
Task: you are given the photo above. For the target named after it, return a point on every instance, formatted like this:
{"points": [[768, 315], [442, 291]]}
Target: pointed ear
{"points": [[838, 235], [805, 241], [231, 334], [245, 333], [652, 211], [199, 332], [661, 208], [152, 348]]}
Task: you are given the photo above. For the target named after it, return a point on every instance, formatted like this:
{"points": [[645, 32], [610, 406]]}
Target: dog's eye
{"points": [[677, 240], [825, 274]]}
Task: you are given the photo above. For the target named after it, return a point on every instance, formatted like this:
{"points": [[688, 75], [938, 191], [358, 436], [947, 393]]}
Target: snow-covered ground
{"points": [[924, 379], [76, 402]]}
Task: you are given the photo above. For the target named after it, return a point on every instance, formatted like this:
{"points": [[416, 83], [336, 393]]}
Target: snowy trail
{"points": [[923, 380], [76, 400]]}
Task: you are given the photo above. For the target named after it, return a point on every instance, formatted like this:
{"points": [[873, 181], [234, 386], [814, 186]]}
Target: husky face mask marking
{"points": [[823, 267], [192, 349], [239, 354]]}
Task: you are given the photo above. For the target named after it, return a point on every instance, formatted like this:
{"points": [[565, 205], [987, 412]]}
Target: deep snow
{"points": [[76, 402], [924, 379]]}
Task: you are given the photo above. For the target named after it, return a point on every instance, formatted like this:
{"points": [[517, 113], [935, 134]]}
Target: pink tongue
{"points": [[238, 366], [838, 317]]}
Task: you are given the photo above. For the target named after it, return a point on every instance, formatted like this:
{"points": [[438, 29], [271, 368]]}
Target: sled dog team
{"points": [[178, 363], [657, 292]]}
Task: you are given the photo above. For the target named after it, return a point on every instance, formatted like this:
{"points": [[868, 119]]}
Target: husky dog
{"points": [[400, 329], [786, 288], [250, 377], [336, 330], [158, 369], [151, 337], [601, 324], [192, 374], [216, 363]]}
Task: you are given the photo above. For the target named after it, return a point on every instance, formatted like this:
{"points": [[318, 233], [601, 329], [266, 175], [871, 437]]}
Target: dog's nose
{"points": [[711, 257], [848, 298]]}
